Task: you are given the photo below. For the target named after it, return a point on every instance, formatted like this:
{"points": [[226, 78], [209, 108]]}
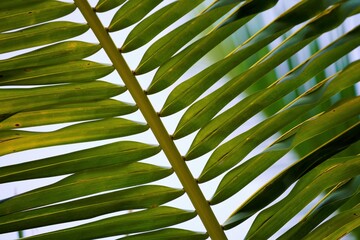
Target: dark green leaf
{"points": [[341, 196], [283, 181], [338, 226], [237, 178], [327, 174], [232, 152]]}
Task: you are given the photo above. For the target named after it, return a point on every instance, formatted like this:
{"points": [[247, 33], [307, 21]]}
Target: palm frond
{"points": [[55, 92]]}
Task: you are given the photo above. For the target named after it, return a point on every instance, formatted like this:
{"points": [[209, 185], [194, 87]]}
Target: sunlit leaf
{"points": [[129, 223], [133, 198]]}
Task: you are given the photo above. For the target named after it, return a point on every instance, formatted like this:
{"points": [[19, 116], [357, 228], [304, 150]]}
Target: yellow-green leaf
{"points": [[131, 12], [25, 13], [16, 140], [40, 35], [123, 152], [133, 198], [129, 223], [70, 72], [84, 183]]}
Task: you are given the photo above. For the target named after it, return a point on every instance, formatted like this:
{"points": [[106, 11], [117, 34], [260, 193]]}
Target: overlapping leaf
{"points": [[341, 197], [156, 22], [232, 152], [170, 71], [281, 182], [310, 186], [215, 131], [193, 88], [159, 52]]}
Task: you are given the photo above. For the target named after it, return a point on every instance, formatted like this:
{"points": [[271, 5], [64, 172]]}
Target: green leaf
{"points": [[40, 35], [237, 178], [168, 234], [31, 12], [15, 100], [15, 140], [283, 181], [215, 131], [222, 3], [131, 12], [133, 222], [84, 183], [349, 192], [203, 113], [171, 70], [15, 4], [338, 226], [133, 198], [50, 55], [232, 152], [114, 153], [67, 113], [105, 5], [159, 52], [309, 187], [76, 71], [147, 29], [43, 82], [191, 89]]}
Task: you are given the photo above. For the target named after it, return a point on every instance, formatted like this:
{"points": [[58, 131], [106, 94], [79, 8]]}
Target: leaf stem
{"points": [[190, 185]]}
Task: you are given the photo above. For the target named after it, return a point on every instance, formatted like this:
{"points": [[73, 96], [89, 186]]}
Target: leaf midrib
{"points": [[190, 185]]}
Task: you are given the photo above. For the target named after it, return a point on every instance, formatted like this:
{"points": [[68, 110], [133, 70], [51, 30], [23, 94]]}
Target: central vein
{"points": [[190, 185]]}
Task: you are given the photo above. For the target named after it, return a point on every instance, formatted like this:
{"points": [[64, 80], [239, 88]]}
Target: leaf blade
{"points": [[40, 35], [84, 183], [134, 222], [133, 198]]}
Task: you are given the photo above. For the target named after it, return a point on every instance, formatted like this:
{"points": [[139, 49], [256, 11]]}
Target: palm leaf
{"points": [[111, 138]]}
